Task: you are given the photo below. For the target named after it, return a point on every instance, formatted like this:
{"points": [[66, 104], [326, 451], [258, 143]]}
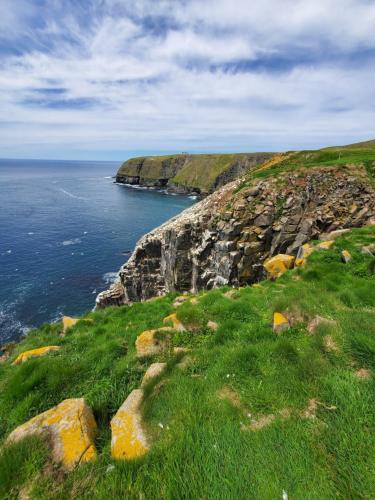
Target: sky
{"points": [[110, 79]]}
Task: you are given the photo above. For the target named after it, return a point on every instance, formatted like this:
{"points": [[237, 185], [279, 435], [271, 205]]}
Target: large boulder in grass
{"points": [[151, 342], [128, 438], [70, 427], [279, 264], [280, 322], [177, 325], [35, 353], [153, 371]]}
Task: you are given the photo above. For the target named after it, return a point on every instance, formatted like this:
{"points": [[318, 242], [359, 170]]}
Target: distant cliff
{"points": [[224, 239], [187, 173]]}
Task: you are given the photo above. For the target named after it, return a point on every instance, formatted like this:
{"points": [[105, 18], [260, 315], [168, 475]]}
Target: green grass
{"points": [[202, 450]]}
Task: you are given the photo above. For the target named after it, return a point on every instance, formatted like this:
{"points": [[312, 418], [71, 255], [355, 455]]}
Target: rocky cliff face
{"points": [[225, 238], [186, 173]]}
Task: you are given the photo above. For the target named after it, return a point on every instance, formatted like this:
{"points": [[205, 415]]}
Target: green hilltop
{"points": [[245, 412]]}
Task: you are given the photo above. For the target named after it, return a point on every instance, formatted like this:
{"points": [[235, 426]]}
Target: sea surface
{"points": [[65, 230]]}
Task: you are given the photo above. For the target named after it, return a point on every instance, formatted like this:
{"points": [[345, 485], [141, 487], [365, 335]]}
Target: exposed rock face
{"points": [[35, 353], [225, 238]]}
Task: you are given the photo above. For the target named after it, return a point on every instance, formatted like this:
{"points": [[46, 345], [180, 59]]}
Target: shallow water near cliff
{"points": [[65, 230]]}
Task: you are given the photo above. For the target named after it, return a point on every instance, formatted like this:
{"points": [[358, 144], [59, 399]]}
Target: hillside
{"points": [[245, 412], [188, 173]]}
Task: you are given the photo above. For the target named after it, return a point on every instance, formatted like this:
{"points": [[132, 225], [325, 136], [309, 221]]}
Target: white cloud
{"points": [[149, 83]]}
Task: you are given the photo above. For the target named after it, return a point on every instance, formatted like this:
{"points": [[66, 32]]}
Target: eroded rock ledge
{"points": [[225, 238]]}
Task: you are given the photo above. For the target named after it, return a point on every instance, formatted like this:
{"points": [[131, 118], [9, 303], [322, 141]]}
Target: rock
{"points": [[280, 323], [181, 350], [34, 353], [68, 322], [70, 428], [153, 371], [332, 235], [128, 437], [345, 256], [316, 322], [278, 265], [151, 342], [194, 301], [177, 325], [212, 325], [325, 245], [303, 253], [369, 249], [180, 300]]}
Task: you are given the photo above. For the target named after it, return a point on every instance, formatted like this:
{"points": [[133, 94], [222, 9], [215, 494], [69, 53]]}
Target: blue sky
{"points": [[108, 79]]}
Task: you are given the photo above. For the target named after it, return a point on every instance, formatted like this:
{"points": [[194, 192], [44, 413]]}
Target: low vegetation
{"points": [[245, 413]]}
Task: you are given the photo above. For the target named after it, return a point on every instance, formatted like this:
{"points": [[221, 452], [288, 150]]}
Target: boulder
{"points": [[276, 266], [332, 235], [35, 353], [70, 428], [68, 322], [345, 256], [316, 322], [177, 325], [280, 323], [128, 438], [153, 371], [212, 325], [151, 342], [325, 245], [303, 253]]}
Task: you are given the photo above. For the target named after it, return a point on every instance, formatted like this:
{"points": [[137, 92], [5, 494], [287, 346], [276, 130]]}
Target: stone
{"points": [[276, 266], [35, 353], [325, 245], [70, 427], [181, 350], [280, 323], [177, 325], [369, 249], [129, 440], [153, 371], [180, 300], [303, 253], [151, 342], [316, 322], [212, 325], [332, 235], [345, 256], [68, 322]]}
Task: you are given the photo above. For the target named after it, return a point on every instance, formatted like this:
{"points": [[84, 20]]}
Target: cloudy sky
{"points": [[107, 79]]}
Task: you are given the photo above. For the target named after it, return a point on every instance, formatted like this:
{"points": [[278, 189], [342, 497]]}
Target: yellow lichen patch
{"points": [[68, 322], [34, 353], [345, 256], [177, 325], [303, 253], [71, 428], [128, 438], [150, 342], [276, 266], [280, 322], [325, 245]]}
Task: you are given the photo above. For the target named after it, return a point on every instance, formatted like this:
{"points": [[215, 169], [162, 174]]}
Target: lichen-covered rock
{"points": [[225, 238], [151, 342], [280, 322], [325, 245], [332, 235], [68, 322], [278, 265], [128, 437], [303, 253], [70, 427], [35, 353], [212, 325], [346, 256], [177, 325], [153, 371]]}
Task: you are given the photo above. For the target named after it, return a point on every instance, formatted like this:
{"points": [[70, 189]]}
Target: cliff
{"points": [[186, 173], [224, 239]]}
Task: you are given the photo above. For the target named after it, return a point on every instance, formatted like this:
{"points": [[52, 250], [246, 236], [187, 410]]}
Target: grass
{"points": [[206, 447]]}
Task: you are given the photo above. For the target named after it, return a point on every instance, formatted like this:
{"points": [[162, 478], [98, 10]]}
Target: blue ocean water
{"points": [[65, 229]]}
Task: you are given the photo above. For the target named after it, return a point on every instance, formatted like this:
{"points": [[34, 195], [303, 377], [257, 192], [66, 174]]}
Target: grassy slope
{"points": [[201, 452], [199, 171]]}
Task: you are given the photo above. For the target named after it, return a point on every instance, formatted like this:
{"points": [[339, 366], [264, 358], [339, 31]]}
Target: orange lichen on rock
{"points": [[177, 325], [325, 245], [280, 322], [303, 253], [68, 322], [345, 256], [153, 371], [276, 266], [128, 438], [71, 428], [34, 353], [151, 342]]}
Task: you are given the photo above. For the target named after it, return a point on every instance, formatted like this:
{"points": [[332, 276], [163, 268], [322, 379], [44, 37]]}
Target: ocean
{"points": [[65, 229]]}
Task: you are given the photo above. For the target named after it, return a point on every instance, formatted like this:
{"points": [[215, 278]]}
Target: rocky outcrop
{"points": [[185, 173], [225, 238]]}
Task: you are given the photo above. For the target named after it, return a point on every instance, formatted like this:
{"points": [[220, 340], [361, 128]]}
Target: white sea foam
{"points": [[193, 197], [74, 241], [71, 195], [30, 233], [110, 278]]}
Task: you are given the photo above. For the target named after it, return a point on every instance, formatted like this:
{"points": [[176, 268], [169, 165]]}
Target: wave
{"points": [[110, 278], [74, 241], [71, 195]]}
